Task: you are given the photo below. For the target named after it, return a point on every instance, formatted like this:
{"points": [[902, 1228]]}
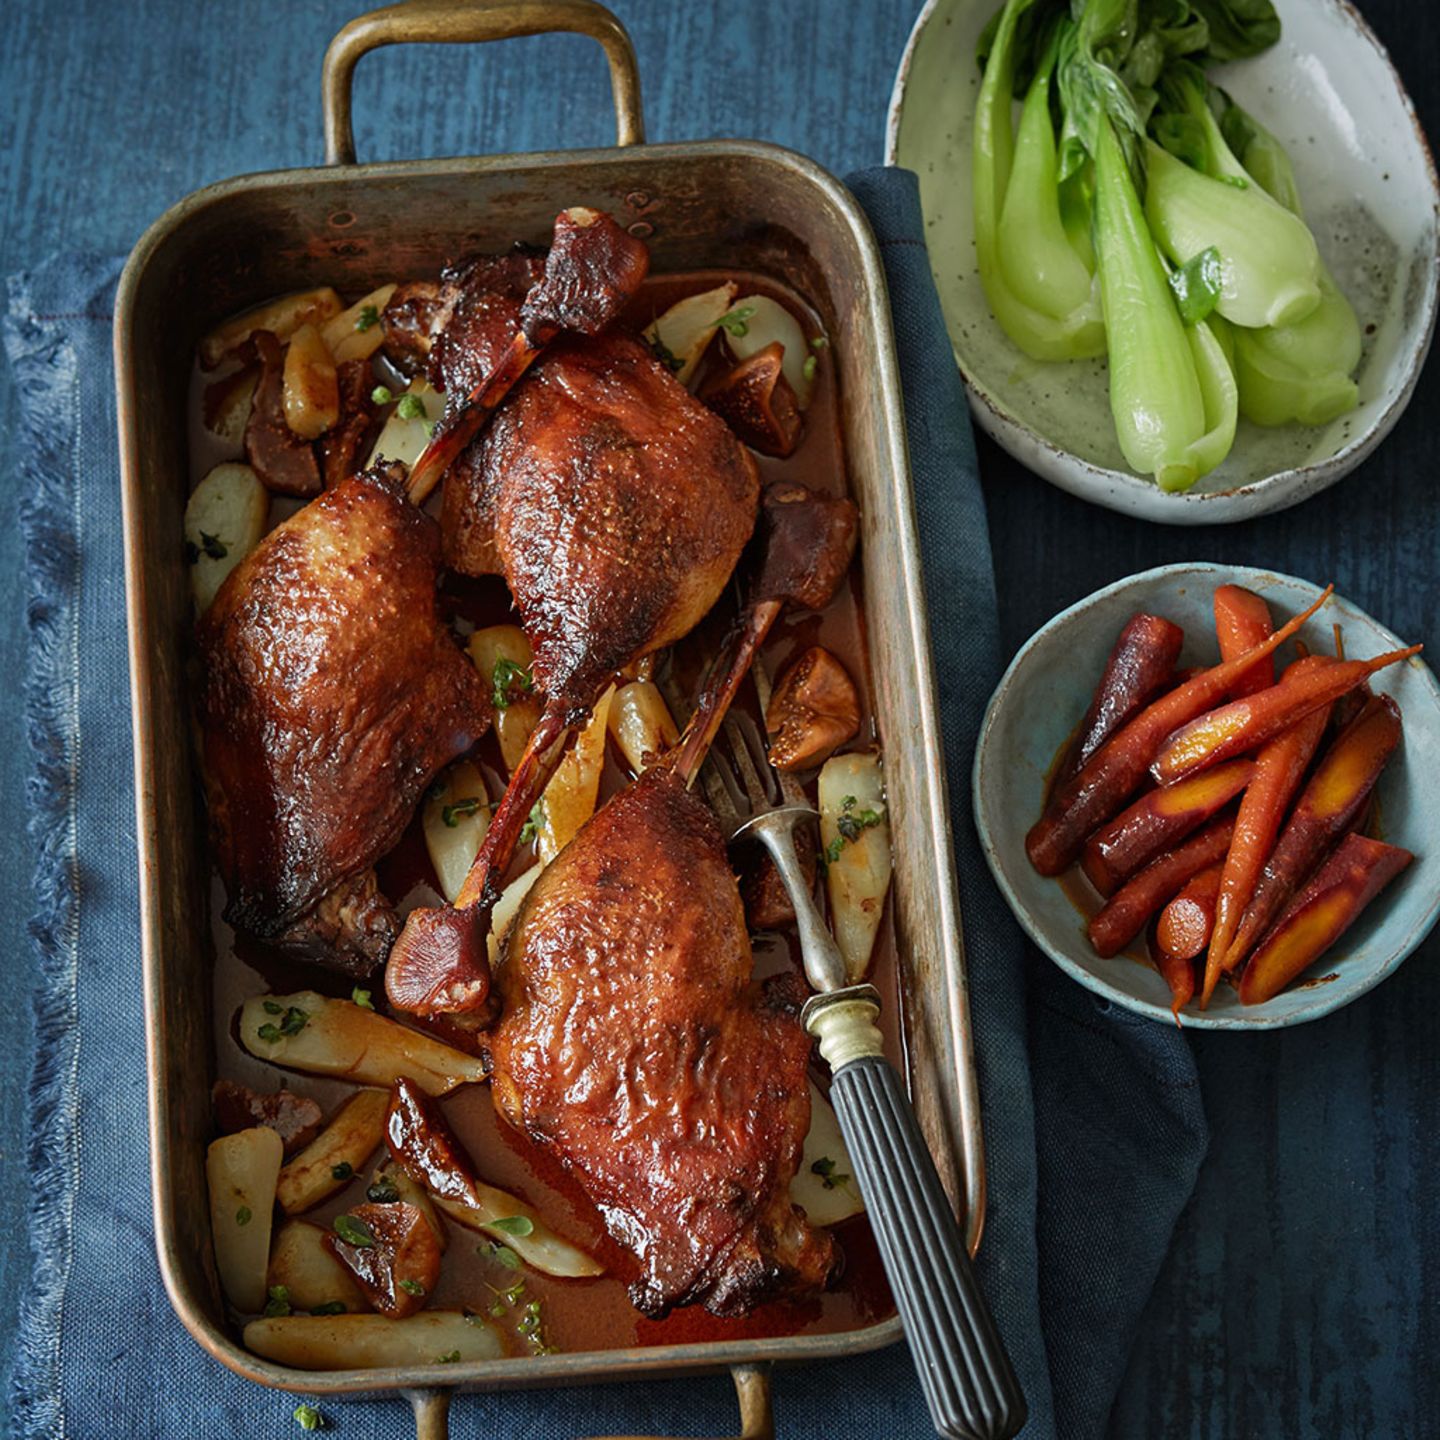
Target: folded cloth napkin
{"points": [[1093, 1123]]}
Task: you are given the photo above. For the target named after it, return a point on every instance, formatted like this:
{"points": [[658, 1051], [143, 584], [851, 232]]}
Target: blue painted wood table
{"points": [[1258, 1325]]}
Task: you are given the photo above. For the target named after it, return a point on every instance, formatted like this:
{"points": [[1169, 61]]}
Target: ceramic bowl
{"points": [[1047, 689], [1329, 91]]}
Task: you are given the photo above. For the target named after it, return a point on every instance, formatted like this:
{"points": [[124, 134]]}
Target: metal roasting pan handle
{"points": [[453, 22], [450, 22]]}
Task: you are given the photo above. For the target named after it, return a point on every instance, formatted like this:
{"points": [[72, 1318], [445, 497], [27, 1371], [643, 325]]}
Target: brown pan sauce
{"points": [[595, 1314]]}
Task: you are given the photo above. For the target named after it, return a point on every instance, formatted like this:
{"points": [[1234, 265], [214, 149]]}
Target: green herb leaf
{"points": [[825, 1169], [498, 1310], [451, 814], [383, 1192], [271, 1008], [278, 1303], [213, 546], [354, 1232], [1197, 284], [848, 803], [382, 395], [810, 366], [343, 1171], [411, 407], [362, 998], [662, 352], [735, 322], [307, 1417], [330, 1307], [506, 679], [369, 316], [294, 1021], [269, 1033], [503, 1254], [521, 1225], [449, 1359], [819, 343], [243, 1215], [531, 828], [412, 1287], [833, 849]]}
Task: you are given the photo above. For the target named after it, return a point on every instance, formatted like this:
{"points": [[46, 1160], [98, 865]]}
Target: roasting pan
{"points": [[700, 205]]}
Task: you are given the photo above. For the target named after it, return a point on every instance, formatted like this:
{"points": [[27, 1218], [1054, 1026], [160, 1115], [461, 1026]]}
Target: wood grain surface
{"points": [[110, 112]]}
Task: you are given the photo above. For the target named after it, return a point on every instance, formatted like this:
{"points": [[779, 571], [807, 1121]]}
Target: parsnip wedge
{"points": [[312, 1277], [825, 1187], [569, 798], [539, 1247], [641, 723], [224, 519], [242, 1170], [343, 1146], [310, 391], [282, 318], [407, 431], [508, 906], [309, 1032], [356, 333], [501, 654], [454, 820], [231, 413], [680, 335], [755, 321], [855, 834], [369, 1342]]}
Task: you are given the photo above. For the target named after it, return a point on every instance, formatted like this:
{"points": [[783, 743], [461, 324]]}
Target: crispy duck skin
{"points": [[635, 1045], [331, 695]]}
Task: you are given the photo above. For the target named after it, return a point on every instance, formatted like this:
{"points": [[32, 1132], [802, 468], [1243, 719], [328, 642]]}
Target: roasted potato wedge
{"points": [[301, 1262], [755, 321], [227, 407], [356, 333], [454, 821], [641, 723], [507, 907], [370, 1342], [224, 520], [501, 654], [309, 1032], [569, 798], [282, 318], [855, 836], [242, 1170], [344, 1145], [824, 1186], [311, 388]]}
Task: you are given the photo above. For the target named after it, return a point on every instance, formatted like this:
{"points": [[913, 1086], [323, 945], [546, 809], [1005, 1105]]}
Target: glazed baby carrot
{"points": [[1142, 660], [1179, 975], [1184, 925], [1157, 822], [1331, 803], [1279, 768], [1242, 621], [1348, 706], [1124, 915], [1103, 784], [1320, 914], [1241, 725]]}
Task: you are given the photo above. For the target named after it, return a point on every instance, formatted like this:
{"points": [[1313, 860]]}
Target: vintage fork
{"points": [[968, 1381]]}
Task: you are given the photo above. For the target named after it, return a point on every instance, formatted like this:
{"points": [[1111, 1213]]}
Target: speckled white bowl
{"points": [[1041, 699], [1329, 91]]}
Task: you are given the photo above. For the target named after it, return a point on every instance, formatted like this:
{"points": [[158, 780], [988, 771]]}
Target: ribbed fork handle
{"points": [[969, 1385]]}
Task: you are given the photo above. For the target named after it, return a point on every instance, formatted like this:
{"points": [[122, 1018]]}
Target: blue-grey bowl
{"points": [[1041, 699]]}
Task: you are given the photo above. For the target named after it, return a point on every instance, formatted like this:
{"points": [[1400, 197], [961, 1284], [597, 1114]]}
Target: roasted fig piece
{"points": [[756, 401], [814, 709], [284, 462], [342, 449], [392, 1253], [294, 1118]]}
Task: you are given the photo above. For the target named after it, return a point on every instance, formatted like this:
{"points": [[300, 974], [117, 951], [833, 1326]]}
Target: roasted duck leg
{"points": [[616, 506], [332, 693]]}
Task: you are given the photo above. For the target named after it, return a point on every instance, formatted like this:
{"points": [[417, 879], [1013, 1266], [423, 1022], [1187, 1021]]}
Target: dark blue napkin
{"points": [[1093, 1123]]}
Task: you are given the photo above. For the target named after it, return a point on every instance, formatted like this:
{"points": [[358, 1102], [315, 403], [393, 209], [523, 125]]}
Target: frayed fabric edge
{"points": [[45, 369]]}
